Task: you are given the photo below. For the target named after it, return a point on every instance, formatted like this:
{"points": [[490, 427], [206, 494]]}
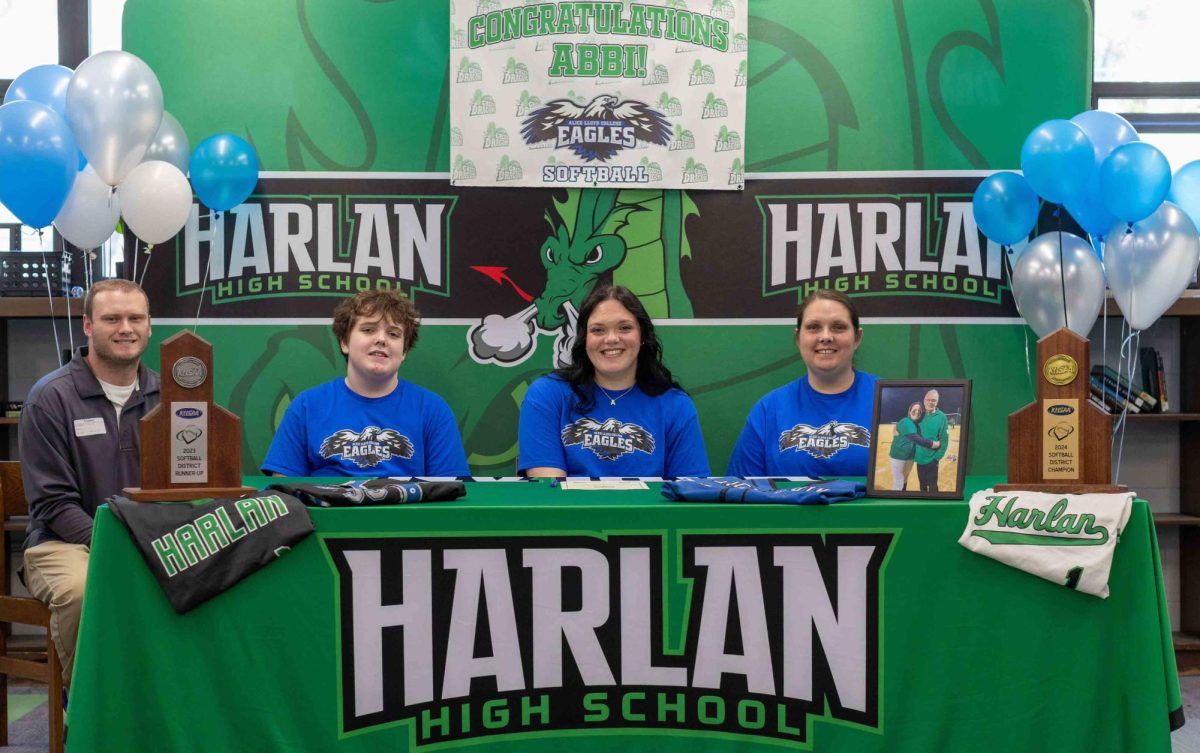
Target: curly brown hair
{"points": [[393, 305]]}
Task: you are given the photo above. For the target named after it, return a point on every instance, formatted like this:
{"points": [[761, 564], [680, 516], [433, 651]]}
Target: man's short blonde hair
{"points": [[116, 285]]}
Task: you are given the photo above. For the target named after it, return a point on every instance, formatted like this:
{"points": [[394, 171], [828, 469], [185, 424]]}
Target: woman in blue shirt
{"points": [[616, 410], [820, 424]]}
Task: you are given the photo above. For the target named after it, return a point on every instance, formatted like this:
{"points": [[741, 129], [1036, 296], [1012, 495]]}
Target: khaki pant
{"points": [[55, 573]]}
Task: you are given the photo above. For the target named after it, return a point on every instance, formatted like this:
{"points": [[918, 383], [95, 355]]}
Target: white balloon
{"points": [[155, 201], [91, 212], [114, 106], [1042, 273], [1151, 265]]}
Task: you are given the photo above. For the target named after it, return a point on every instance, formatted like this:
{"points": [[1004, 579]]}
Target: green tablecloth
{"points": [[966, 654]]}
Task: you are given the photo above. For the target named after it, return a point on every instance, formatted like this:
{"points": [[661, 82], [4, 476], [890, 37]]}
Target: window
{"points": [[104, 29], [38, 32], [1158, 93], [28, 36]]}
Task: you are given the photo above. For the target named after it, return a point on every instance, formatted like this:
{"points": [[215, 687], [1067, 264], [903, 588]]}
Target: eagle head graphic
{"points": [[648, 124], [823, 441], [609, 440], [367, 448]]}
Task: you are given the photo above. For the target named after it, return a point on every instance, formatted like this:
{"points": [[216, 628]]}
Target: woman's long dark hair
{"points": [[652, 376]]}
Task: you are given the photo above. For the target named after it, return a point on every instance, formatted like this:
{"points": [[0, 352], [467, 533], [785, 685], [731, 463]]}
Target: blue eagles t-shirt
{"points": [[330, 430], [797, 431], [639, 436]]}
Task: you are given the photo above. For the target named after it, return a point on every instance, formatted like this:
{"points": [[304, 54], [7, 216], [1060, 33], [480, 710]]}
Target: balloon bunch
{"points": [[1116, 188], [81, 149]]}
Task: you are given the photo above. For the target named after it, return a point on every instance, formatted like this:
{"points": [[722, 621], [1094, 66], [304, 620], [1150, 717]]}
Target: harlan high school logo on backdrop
{"points": [[367, 448], [609, 440], [745, 634], [824, 441]]}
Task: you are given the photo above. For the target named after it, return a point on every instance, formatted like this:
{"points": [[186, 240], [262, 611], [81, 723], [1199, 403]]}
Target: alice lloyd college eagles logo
{"points": [[823, 441], [599, 129], [367, 448], [610, 440]]}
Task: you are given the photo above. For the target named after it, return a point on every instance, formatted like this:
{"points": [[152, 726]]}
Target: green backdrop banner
{"points": [[530, 618], [863, 85], [856, 85]]}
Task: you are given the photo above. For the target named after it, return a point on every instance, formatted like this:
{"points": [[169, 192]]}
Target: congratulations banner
{"points": [[600, 94]]}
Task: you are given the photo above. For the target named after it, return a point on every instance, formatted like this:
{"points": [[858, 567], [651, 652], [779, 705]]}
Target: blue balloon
{"points": [[1134, 180], [1106, 131], [37, 161], [1185, 191], [1089, 211], [224, 171], [1006, 208], [1057, 159], [47, 85]]}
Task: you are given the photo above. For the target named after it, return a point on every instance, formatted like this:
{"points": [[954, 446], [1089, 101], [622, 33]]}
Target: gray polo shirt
{"points": [[73, 456]]}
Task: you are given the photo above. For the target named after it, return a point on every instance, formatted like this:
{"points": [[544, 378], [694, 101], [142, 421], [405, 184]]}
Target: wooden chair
{"points": [[42, 666]]}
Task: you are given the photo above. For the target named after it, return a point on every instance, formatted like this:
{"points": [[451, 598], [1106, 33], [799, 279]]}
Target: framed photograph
{"points": [[919, 431]]}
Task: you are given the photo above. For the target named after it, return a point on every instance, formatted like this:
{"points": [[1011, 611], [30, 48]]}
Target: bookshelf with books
{"points": [[1162, 449], [1189, 481]]}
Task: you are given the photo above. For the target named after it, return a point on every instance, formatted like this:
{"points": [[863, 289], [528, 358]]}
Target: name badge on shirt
{"points": [[86, 427]]}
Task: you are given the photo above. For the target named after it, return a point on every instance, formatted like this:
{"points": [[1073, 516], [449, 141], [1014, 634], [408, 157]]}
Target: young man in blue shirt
{"points": [[370, 422]]}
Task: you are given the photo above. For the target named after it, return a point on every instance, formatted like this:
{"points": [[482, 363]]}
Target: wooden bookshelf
{"points": [[35, 308], [1175, 519], [1187, 305]]}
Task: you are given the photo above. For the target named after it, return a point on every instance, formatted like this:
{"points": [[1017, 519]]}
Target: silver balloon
{"points": [[1150, 265], [1040, 275], [91, 212], [170, 144], [115, 105]]}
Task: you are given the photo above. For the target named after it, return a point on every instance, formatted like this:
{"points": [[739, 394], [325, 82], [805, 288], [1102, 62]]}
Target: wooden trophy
{"points": [[1061, 443], [191, 447]]}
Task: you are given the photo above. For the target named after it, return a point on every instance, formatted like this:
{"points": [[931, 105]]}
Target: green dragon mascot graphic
{"points": [[638, 237]]}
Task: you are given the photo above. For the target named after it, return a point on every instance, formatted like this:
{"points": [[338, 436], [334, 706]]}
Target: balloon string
{"points": [[133, 273], [50, 300], [1098, 244], [66, 255], [203, 288], [147, 264], [215, 216], [1128, 351], [1062, 267]]}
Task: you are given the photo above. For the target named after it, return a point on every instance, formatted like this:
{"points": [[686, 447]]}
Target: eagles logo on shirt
{"points": [[824, 441], [609, 440], [367, 448]]}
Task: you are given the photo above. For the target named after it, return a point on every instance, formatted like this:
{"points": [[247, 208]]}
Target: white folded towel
{"points": [[1065, 538]]}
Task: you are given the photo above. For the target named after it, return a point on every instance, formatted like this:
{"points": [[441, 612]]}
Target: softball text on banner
{"points": [[600, 94]]}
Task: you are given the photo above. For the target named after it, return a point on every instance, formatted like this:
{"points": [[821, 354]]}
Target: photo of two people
{"points": [[920, 431]]}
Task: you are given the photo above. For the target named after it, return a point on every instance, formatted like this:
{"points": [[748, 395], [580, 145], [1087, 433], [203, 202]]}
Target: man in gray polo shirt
{"points": [[80, 444]]}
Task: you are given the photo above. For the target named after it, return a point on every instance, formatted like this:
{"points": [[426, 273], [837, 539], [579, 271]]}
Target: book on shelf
{"points": [[1100, 399], [1138, 397], [1115, 401], [1162, 382], [1148, 368]]}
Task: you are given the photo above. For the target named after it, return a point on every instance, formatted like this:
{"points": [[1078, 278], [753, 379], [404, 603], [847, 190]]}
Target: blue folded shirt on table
{"points": [[733, 489]]}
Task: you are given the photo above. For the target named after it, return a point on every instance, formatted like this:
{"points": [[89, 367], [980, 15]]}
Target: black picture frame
{"points": [[894, 400]]}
